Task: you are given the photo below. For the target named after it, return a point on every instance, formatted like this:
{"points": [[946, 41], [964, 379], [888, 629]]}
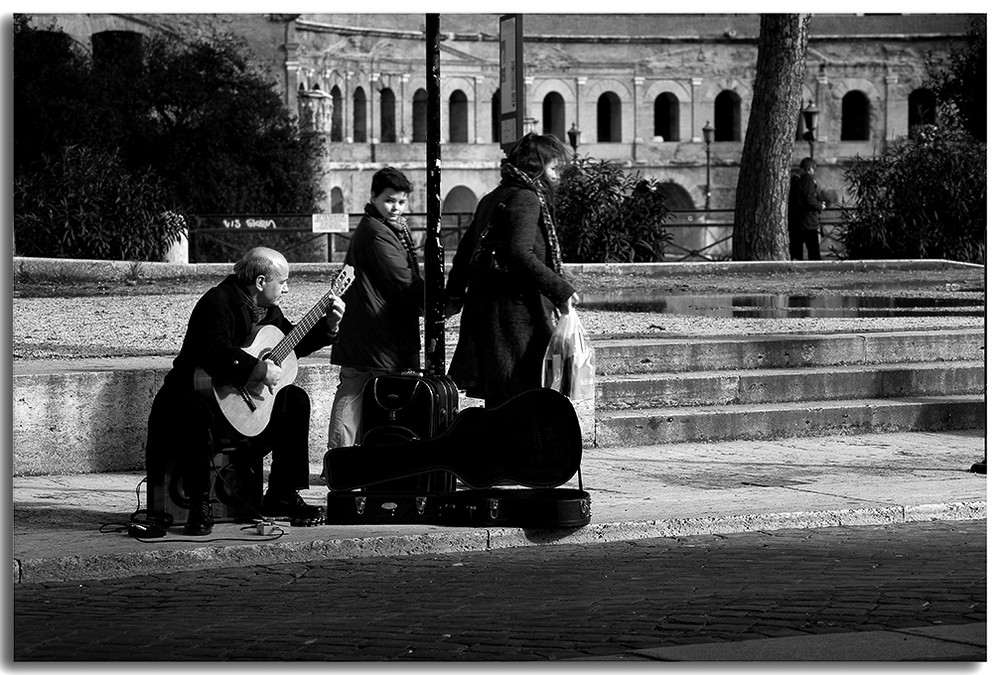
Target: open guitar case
{"points": [[507, 466]]}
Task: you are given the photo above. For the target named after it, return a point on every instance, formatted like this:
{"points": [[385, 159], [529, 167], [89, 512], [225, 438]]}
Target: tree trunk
{"points": [[760, 229]]}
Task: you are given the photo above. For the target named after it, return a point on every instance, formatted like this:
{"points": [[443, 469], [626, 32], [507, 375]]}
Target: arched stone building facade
{"points": [[638, 87]]}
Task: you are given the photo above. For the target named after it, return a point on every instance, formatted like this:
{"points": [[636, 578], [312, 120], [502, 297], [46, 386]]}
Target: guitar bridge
{"points": [[245, 395]]}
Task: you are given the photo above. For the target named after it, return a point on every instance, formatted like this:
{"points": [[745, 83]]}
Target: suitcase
{"points": [[404, 408], [533, 440]]}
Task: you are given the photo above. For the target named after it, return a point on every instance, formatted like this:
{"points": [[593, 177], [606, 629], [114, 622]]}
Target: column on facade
{"points": [[638, 111], [581, 124], [695, 94], [529, 112], [823, 97], [477, 98], [896, 111], [374, 109], [403, 104], [348, 105]]}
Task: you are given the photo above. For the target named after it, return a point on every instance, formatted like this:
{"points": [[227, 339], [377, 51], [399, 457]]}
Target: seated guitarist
{"points": [[181, 416]]}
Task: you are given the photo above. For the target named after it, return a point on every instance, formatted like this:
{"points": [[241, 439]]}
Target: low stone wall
{"points": [[95, 421]]}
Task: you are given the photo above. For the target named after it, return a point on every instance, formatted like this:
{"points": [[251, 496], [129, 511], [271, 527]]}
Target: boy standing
{"points": [[380, 335]]}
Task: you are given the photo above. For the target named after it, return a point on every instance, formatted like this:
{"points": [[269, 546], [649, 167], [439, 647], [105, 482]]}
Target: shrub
{"points": [[921, 198], [607, 215], [85, 204]]}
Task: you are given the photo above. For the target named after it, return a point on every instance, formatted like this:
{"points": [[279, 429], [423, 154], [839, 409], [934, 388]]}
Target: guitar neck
{"points": [[306, 323], [299, 331]]}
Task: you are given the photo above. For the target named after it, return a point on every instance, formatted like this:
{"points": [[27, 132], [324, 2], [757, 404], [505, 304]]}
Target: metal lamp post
{"points": [[708, 133], [810, 114], [574, 138]]}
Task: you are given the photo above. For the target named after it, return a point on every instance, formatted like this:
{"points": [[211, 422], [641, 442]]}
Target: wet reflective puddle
{"points": [[776, 306]]}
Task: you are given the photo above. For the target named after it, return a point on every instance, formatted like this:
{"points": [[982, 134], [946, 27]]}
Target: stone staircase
{"points": [[672, 390]]}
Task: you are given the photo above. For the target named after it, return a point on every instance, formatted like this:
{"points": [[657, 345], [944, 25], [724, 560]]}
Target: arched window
{"points": [[337, 121], [360, 115], [420, 116], [727, 116], [456, 214], [387, 105], [667, 117], [609, 118], [336, 200], [854, 125], [676, 197], [495, 116], [458, 117], [554, 115], [922, 106]]}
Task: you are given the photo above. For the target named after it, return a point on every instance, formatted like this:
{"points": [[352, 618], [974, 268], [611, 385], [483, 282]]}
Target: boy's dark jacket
{"points": [[381, 324]]}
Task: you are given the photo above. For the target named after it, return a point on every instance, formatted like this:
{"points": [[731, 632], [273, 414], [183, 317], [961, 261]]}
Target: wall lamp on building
{"points": [[574, 138], [810, 114], [708, 133]]}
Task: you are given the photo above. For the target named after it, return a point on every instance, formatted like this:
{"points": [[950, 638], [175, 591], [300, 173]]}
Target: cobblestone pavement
{"points": [[551, 602]]}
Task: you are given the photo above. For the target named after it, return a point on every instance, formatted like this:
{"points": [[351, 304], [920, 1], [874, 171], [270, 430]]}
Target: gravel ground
{"points": [[117, 319]]}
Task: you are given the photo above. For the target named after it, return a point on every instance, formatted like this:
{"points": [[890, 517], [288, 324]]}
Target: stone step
{"points": [[768, 385], [762, 421], [740, 352]]}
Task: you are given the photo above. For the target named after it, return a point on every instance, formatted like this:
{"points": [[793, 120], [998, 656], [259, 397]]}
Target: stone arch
{"points": [[679, 89], [543, 86], [599, 86], [711, 91]]}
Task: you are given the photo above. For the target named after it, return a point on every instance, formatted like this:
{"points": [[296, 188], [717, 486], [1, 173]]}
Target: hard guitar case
{"points": [[509, 462], [403, 408]]}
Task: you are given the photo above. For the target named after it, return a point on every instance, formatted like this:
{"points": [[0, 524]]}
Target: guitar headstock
{"points": [[342, 281]]}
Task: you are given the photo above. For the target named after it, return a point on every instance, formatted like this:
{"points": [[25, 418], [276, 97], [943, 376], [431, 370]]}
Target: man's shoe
{"points": [[199, 522], [291, 505]]}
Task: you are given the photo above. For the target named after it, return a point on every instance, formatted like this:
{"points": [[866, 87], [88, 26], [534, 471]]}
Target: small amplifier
{"points": [[237, 487]]}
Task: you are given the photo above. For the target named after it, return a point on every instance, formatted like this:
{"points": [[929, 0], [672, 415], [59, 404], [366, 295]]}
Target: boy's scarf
{"points": [[402, 232], [511, 174]]}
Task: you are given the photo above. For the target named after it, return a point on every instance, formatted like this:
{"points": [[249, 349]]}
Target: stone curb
{"points": [[67, 269], [115, 566]]}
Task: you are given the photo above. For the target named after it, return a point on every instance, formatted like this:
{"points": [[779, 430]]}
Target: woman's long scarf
{"points": [[512, 174], [400, 229]]}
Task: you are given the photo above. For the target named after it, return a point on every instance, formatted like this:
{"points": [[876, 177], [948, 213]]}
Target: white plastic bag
{"points": [[569, 361]]}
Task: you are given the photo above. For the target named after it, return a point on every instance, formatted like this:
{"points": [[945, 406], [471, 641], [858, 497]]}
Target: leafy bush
{"points": [[85, 204], [921, 198], [200, 114], [607, 215]]}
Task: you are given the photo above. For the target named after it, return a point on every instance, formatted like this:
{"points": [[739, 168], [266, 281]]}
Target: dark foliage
{"points": [[85, 204], [921, 198], [198, 115], [607, 215], [960, 86]]}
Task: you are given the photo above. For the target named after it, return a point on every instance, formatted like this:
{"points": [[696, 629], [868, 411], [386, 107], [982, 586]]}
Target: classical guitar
{"points": [[248, 408], [533, 439]]}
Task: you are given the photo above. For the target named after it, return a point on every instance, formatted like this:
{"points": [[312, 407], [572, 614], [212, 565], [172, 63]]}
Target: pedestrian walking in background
{"points": [[804, 207], [507, 278], [380, 335]]}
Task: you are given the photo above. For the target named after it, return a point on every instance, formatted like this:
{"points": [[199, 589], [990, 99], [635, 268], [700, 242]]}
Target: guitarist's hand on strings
{"points": [[272, 375]]}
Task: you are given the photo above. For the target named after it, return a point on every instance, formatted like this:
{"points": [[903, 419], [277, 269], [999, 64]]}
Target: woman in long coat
{"points": [[507, 278]]}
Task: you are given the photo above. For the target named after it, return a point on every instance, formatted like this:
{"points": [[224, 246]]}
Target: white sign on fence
{"points": [[330, 222]]}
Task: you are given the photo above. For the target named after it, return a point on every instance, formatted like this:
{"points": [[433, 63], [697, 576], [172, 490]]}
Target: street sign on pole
{"points": [[511, 80]]}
